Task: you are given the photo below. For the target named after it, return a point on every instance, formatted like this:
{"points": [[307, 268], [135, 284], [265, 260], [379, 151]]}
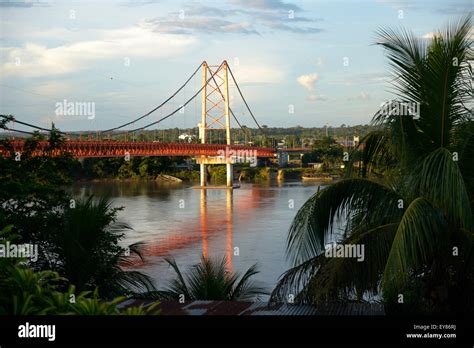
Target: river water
{"points": [[247, 225]]}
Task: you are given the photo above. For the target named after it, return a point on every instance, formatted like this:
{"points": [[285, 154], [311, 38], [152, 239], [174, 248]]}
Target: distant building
{"points": [[187, 137], [346, 142], [315, 165]]}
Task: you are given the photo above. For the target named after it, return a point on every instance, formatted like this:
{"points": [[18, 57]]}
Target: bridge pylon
{"points": [[215, 114]]}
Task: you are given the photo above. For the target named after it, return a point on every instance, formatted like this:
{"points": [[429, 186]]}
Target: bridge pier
{"points": [[230, 174], [203, 174]]}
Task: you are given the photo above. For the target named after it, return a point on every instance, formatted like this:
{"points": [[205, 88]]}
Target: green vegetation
{"points": [[217, 174], [292, 136], [255, 173], [88, 253], [77, 240], [210, 280], [291, 173], [26, 292], [410, 204], [327, 152]]}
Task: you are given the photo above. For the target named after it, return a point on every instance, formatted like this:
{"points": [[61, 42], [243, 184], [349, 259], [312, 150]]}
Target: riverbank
{"points": [[217, 175]]}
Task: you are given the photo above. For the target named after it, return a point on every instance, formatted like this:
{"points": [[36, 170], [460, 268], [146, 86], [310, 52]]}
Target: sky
{"points": [[298, 63]]}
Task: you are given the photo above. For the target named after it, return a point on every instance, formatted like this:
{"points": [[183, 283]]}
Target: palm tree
{"points": [[210, 280], [89, 253], [410, 203]]}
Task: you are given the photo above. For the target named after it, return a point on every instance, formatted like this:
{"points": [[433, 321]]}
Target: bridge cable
{"points": [[243, 98], [159, 106], [123, 125], [176, 110], [19, 131], [32, 125]]}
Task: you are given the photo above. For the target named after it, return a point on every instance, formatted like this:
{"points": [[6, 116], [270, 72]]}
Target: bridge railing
{"points": [[93, 148]]}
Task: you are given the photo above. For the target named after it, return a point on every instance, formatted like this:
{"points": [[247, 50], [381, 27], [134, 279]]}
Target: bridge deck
{"points": [[107, 148]]}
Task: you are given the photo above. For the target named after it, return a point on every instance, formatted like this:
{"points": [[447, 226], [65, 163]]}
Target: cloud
{"points": [[23, 4], [455, 8], [317, 97], [364, 79], [258, 73], [190, 25], [429, 36], [136, 3], [401, 4], [266, 5], [363, 95], [308, 81], [252, 17], [55, 88], [137, 41]]}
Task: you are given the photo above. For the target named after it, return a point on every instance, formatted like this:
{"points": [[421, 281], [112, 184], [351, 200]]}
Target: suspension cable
{"points": [[243, 98], [176, 110], [32, 125], [159, 106], [19, 131]]}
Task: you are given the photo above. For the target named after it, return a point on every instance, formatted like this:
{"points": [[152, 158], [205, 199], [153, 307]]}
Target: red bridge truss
{"points": [[81, 149]]}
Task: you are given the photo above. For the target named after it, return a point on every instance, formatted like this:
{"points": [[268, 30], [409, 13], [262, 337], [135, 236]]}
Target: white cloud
{"points": [[55, 88], [316, 97], [137, 41], [363, 95], [308, 81], [430, 35], [254, 73], [266, 4]]}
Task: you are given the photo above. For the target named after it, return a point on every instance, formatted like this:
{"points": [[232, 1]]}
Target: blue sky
{"points": [[282, 52]]}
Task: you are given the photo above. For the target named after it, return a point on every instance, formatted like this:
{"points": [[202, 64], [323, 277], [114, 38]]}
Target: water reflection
{"points": [[184, 223], [230, 224]]}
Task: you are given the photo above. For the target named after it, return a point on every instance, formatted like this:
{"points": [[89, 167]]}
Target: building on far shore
{"points": [[346, 142]]}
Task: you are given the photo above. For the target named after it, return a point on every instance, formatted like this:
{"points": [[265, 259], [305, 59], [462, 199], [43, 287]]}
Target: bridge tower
{"points": [[215, 115]]}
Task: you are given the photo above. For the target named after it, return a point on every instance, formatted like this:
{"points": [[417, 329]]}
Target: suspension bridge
{"points": [[216, 114]]}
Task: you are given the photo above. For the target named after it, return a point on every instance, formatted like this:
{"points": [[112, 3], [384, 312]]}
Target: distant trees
{"points": [[325, 151]]}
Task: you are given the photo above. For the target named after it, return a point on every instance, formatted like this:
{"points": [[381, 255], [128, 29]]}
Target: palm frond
{"points": [[420, 233], [315, 223], [441, 181]]}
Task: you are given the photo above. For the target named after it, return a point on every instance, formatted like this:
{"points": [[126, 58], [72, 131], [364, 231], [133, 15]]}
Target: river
{"points": [[248, 225]]}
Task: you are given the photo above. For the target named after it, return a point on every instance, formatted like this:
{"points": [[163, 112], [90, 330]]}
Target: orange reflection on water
{"points": [[204, 229], [230, 225]]}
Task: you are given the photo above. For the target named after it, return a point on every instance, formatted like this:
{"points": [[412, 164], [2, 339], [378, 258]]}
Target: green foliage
{"points": [[89, 254], [31, 194], [410, 201], [78, 242], [255, 173], [291, 173], [326, 152], [210, 280], [186, 175], [218, 174], [26, 292], [126, 171]]}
